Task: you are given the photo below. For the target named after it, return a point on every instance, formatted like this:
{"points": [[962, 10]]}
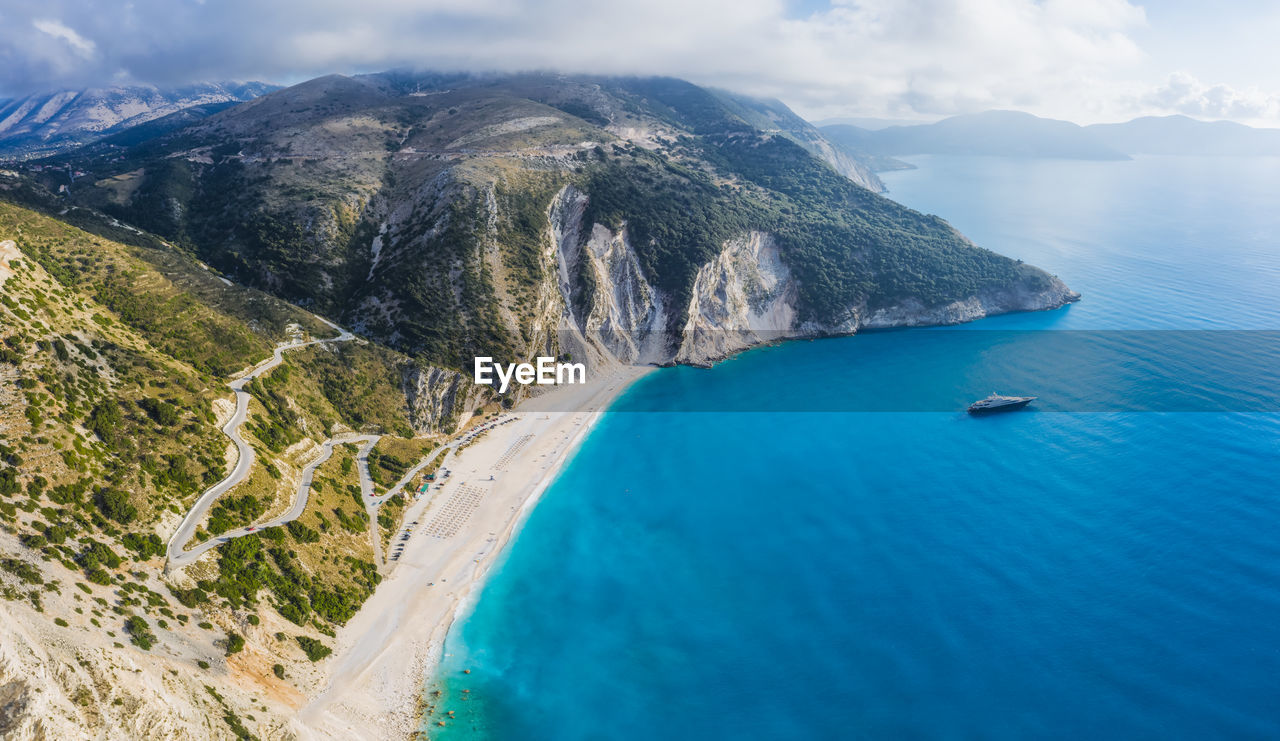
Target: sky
{"points": [[1080, 60]]}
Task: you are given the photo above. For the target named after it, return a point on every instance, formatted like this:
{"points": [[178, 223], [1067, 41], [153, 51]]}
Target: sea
{"points": [[813, 541]]}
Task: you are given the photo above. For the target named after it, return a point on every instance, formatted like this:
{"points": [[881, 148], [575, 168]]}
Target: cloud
{"points": [[1183, 93], [903, 58], [81, 46]]}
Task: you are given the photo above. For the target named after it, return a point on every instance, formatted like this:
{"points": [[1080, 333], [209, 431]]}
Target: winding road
{"points": [[177, 557], [187, 528]]}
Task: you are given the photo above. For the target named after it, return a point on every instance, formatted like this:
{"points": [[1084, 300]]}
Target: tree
{"points": [[315, 650], [139, 633], [104, 421], [160, 411], [115, 505]]}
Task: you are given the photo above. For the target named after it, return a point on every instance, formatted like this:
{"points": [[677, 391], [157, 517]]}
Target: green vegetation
{"points": [[361, 384], [161, 411], [246, 567], [393, 457], [23, 570], [115, 505], [152, 441], [143, 546], [277, 427], [315, 650], [232, 512], [678, 218], [105, 421], [848, 245], [140, 633]]}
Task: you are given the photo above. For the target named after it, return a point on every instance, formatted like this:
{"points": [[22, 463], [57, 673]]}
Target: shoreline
{"points": [[464, 602], [392, 648]]}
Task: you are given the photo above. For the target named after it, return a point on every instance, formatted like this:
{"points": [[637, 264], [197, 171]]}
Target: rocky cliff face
{"points": [[634, 220], [743, 297], [437, 398], [607, 303], [1019, 297]]}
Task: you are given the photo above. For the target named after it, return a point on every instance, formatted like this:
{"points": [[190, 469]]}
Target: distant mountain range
{"points": [[1182, 135], [47, 123], [1015, 134]]}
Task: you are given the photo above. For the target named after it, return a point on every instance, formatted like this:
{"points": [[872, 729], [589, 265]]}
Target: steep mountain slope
{"points": [[772, 116], [451, 216], [41, 124], [998, 133], [114, 354]]}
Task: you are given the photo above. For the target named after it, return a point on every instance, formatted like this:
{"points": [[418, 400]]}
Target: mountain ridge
{"points": [[42, 124], [1023, 135], [1179, 134], [417, 209], [999, 133]]}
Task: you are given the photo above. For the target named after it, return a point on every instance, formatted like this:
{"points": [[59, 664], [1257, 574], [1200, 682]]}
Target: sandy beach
{"points": [[385, 654]]}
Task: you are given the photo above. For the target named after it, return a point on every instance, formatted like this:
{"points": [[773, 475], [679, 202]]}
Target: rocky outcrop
{"points": [[1019, 297], [608, 304], [438, 399], [745, 296], [847, 165], [74, 685]]}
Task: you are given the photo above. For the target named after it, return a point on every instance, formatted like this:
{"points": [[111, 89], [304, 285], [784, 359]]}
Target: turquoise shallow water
{"points": [[898, 570]]}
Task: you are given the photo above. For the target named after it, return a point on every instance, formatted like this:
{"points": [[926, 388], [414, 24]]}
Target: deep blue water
{"points": [[790, 574]]}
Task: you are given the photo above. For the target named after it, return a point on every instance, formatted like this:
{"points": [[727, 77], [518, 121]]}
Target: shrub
{"points": [[315, 650], [145, 546], [302, 533], [139, 633], [9, 482], [190, 597], [104, 421], [160, 411], [96, 554], [115, 505], [235, 643], [23, 570]]}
